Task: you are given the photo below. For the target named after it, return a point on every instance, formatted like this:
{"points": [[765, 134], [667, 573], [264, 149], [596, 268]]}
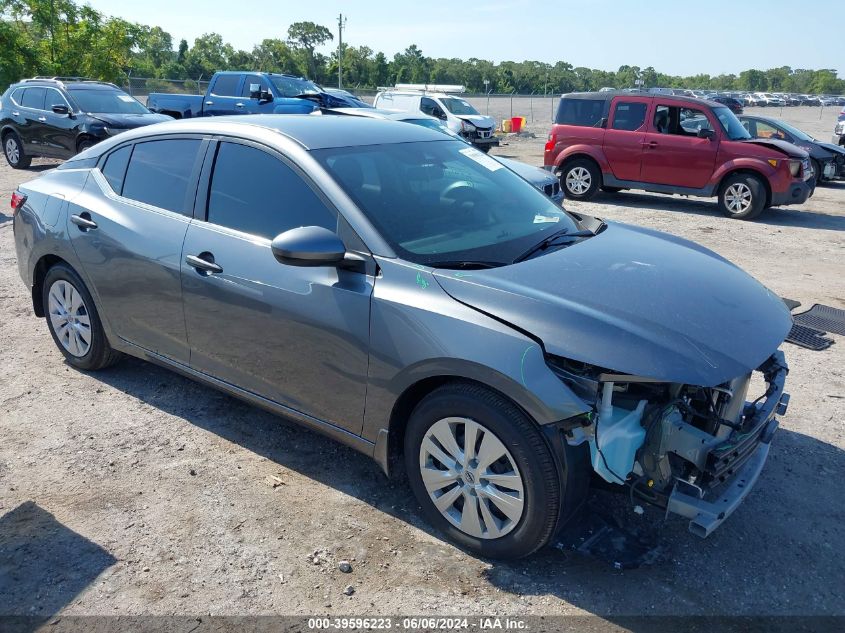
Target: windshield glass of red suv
{"points": [[733, 128], [106, 101]]}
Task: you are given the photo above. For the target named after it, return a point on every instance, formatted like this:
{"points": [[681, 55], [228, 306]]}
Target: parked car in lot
{"points": [[58, 117], [540, 178], [839, 130], [732, 104], [233, 92], [444, 104], [765, 99], [615, 141], [828, 160], [409, 296]]}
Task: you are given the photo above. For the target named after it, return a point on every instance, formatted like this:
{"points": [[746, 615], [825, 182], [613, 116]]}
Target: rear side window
{"points": [[256, 193], [115, 168], [159, 173], [34, 98], [226, 85], [582, 112], [17, 96], [629, 116]]}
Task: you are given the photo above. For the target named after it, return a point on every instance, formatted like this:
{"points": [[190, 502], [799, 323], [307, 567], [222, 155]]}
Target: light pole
{"points": [[341, 22]]}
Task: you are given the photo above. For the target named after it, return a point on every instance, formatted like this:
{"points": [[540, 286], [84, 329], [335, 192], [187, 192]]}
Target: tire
{"points": [[817, 169], [500, 429], [611, 189], [84, 144], [742, 197], [484, 148], [70, 316], [580, 179], [14, 152]]}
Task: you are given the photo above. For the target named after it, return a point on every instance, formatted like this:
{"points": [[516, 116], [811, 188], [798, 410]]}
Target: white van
{"points": [[456, 113]]}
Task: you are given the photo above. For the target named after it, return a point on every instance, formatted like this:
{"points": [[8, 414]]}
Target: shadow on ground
{"points": [[801, 216], [782, 552], [44, 565]]}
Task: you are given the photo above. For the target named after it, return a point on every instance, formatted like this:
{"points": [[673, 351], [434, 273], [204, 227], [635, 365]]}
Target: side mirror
{"points": [[308, 246], [706, 133], [60, 109], [254, 91], [265, 95]]}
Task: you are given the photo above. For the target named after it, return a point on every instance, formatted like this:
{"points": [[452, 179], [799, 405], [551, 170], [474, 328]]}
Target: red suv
{"points": [[671, 144]]}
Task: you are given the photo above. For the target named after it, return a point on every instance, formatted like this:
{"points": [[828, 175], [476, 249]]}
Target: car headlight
{"points": [[466, 126], [795, 168]]}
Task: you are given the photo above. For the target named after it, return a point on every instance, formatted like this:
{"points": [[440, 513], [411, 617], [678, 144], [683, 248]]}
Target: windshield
{"points": [[441, 201], [294, 86], [458, 106], [803, 136], [433, 124], [733, 128], [106, 102]]}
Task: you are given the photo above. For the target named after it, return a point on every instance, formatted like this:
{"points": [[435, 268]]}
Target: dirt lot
{"points": [[135, 491]]}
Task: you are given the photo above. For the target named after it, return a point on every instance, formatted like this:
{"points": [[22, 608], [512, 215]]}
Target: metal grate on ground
{"points": [[824, 318], [809, 338]]}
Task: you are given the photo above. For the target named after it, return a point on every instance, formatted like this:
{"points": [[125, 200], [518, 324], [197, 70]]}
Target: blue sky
{"points": [[711, 36]]}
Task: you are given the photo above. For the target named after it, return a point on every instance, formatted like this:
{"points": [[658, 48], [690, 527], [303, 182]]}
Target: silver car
{"points": [[406, 294]]}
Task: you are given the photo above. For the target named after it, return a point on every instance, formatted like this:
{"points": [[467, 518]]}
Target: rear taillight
{"points": [[550, 144], [17, 201]]}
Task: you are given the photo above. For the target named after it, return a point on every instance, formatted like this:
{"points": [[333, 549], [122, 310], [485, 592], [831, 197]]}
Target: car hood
{"points": [[635, 301], [532, 174], [117, 120], [478, 120], [787, 148], [830, 147]]}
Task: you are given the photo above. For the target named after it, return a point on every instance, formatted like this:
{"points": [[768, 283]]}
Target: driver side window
{"points": [[764, 130], [429, 106]]}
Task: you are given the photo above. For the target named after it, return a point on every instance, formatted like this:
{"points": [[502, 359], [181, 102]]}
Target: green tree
{"points": [[305, 37]]}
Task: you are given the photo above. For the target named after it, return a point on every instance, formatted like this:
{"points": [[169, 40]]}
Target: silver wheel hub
{"points": [[69, 318], [472, 478], [13, 152], [738, 197], [578, 180]]}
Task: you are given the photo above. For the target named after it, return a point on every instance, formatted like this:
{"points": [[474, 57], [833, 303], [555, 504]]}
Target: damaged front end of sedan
{"points": [[693, 451]]}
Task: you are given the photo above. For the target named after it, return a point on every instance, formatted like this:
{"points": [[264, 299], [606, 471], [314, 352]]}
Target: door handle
{"points": [[650, 144], [83, 221], [202, 264], [16, 113], [239, 105], [209, 103], [42, 118]]}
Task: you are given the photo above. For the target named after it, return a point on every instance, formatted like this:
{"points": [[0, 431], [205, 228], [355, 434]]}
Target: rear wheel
{"points": [[580, 179], [742, 197], [73, 320], [482, 472], [13, 150]]}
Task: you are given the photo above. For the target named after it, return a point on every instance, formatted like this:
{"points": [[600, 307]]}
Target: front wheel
{"points": [[742, 197], [482, 472], [84, 144], [580, 179], [817, 170], [484, 148]]}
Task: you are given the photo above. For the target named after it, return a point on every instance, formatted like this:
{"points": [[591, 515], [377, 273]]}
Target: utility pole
{"points": [[341, 22]]}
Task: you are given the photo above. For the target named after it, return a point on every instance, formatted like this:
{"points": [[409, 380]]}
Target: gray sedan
{"points": [[409, 296]]}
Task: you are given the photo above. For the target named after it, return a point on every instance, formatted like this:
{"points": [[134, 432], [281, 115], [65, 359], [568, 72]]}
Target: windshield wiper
{"points": [[465, 264], [550, 241]]}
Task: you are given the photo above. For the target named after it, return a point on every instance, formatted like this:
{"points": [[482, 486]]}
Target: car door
{"points": [[127, 229], [297, 336], [224, 96], [673, 153], [58, 133], [32, 112], [625, 135], [251, 104]]}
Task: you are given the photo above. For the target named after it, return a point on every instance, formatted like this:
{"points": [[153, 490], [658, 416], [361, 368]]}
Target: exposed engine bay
{"points": [[695, 451]]}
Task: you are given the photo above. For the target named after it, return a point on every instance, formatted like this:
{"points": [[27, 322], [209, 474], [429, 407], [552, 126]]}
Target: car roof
{"points": [[610, 94], [310, 132]]}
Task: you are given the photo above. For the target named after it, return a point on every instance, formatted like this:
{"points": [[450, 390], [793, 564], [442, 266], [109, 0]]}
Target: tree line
{"points": [[61, 37]]}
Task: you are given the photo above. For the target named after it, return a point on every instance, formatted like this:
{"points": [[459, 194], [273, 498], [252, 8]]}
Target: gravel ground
{"points": [[135, 491]]}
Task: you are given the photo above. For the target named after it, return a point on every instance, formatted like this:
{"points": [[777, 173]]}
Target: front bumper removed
{"points": [[734, 466]]}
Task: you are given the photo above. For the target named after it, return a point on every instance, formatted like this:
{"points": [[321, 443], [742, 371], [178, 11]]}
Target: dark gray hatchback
{"points": [[415, 299]]}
